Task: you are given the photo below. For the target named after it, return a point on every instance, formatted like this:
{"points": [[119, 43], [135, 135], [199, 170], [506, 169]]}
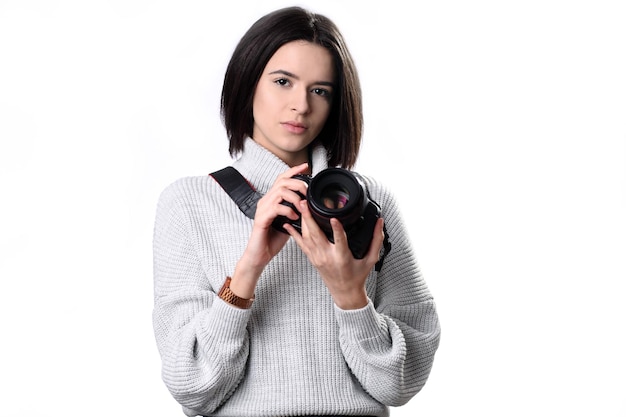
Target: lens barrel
{"points": [[336, 192]]}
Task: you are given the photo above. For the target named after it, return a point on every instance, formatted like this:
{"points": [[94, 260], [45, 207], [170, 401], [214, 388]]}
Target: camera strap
{"points": [[246, 198], [239, 189]]}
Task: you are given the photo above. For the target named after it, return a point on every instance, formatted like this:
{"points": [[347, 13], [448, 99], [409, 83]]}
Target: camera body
{"points": [[338, 193]]}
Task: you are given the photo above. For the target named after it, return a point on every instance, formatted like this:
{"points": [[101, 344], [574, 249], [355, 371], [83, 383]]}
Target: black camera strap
{"points": [[239, 189], [246, 198]]}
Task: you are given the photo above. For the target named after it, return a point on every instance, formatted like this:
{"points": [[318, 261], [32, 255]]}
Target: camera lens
{"points": [[335, 196], [336, 192]]}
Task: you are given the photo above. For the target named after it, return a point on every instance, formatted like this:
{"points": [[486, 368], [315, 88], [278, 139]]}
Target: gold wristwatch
{"points": [[227, 295]]}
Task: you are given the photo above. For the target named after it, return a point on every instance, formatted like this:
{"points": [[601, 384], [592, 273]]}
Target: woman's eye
{"points": [[282, 81], [321, 92]]}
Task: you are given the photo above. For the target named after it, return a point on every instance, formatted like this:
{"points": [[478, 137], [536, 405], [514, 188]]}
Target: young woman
{"points": [[250, 320]]}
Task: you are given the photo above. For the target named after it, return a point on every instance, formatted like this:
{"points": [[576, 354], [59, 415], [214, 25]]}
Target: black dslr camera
{"points": [[339, 193]]}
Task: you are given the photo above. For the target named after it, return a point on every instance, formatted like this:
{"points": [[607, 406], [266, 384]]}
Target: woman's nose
{"points": [[300, 102]]}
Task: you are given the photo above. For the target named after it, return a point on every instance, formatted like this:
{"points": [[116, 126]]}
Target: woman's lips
{"points": [[294, 127]]}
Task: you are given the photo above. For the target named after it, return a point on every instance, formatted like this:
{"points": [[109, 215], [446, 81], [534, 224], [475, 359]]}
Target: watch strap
{"points": [[227, 295]]}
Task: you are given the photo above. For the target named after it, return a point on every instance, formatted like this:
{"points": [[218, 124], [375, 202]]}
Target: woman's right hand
{"points": [[265, 241]]}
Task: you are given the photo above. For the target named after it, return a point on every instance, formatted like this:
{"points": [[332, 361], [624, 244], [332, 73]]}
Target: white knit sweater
{"points": [[294, 352]]}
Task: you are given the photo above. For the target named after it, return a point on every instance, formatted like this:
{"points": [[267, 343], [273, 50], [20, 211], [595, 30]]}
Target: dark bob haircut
{"points": [[341, 135]]}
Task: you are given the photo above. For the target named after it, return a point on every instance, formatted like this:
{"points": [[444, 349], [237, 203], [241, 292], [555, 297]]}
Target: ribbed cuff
{"points": [[226, 322], [361, 324]]}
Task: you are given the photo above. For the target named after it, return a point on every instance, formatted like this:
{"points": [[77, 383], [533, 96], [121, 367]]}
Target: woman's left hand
{"points": [[344, 275]]}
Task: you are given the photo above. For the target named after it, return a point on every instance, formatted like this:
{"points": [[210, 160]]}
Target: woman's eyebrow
{"points": [[294, 76], [287, 73]]}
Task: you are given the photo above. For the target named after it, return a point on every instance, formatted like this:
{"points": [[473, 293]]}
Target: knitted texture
{"points": [[294, 352]]}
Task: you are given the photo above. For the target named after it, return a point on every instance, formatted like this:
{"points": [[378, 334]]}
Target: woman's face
{"points": [[293, 99]]}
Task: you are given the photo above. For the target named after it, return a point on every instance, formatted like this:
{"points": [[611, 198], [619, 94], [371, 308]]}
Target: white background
{"points": [[500, 125]]}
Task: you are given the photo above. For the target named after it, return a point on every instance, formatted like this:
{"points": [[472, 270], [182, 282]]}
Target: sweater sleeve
{"points": [[390, 344], [202, 340]]}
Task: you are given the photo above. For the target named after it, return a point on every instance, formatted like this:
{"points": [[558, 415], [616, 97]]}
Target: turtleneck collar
{"points": [[261, 167]]}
